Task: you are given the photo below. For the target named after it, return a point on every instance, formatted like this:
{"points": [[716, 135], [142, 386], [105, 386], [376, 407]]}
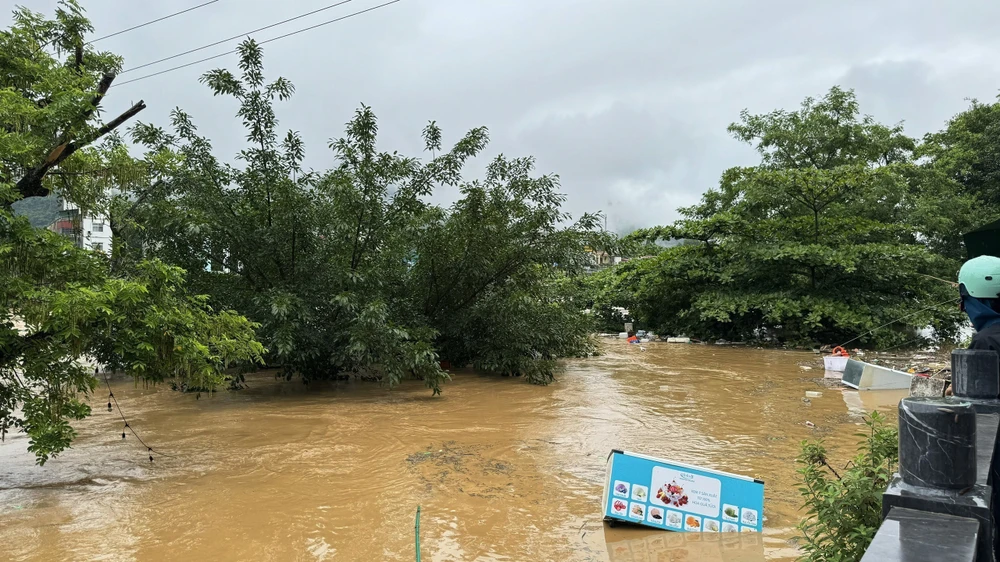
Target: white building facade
{"points": [[87, 230]]}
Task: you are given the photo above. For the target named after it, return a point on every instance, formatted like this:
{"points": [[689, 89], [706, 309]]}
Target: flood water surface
{"points": [[502, 470]]}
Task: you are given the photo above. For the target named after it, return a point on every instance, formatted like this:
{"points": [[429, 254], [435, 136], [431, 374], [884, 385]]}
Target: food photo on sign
{"points": [[663, 494]]}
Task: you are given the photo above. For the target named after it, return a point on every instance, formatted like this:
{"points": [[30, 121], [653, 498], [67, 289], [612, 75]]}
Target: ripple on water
{"points": [[502, 470]]}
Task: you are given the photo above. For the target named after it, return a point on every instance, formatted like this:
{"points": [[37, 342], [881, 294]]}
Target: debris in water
{"points": [[807, 401], [926, 386], [810, 424], [813, 394], [805, 368]]}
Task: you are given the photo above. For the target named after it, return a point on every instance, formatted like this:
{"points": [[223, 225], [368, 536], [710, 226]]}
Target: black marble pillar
{"points": [[977, 502], [937, 443], [975, 373]]}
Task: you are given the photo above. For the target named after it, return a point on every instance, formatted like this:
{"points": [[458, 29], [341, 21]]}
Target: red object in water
{"points": [[840, 352]]}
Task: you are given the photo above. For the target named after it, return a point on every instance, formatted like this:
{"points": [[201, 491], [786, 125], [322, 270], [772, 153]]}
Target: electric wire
{"points": [[952, 300], [341, 18], [150, 22], [237, 36]]}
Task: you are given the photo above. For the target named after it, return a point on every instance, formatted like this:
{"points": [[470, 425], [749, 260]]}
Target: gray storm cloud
{"points": [[626, 100]]}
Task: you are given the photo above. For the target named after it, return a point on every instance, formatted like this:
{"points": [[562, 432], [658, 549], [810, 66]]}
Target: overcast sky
{"points": [[626, 100]]}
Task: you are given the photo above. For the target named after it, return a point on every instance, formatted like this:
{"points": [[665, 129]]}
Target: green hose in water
{"points": [[416, 532]]}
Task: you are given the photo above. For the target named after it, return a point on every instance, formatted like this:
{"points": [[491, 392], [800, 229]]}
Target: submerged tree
{"points": [[491, 274], [350, 271], [58, 302], [817, 243]]}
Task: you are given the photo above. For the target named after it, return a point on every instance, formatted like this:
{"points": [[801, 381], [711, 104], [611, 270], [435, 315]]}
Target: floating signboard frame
{"points": [[664, 494]]}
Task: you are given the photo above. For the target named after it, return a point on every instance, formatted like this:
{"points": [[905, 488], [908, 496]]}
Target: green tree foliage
{"points": [[960, 174], [493, 273], [820, 242], [968, 151], [58, 303], [611, 292], [350, 271], [844, 511]]}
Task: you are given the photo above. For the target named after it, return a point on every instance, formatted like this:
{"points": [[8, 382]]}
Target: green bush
{"points": [[845, 508]]}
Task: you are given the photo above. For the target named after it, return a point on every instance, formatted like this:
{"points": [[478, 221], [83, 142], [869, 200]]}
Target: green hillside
{"points": [[41, 211]]}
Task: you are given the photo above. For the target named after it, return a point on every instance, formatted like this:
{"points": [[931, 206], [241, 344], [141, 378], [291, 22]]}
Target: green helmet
{"points": [[981, 277]]}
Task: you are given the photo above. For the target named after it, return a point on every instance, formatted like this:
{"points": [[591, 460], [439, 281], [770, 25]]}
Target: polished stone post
{"points": [[975, 373], [909, 535], [946, 451], [937, 443]]}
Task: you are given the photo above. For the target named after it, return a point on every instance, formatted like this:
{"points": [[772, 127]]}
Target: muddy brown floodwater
{"points": [[502, 470]]}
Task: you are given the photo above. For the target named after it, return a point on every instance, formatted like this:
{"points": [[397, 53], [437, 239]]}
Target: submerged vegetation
{"points": [[222, 263], [351, 270], [60, 303], [845, 226], [342, 272]]}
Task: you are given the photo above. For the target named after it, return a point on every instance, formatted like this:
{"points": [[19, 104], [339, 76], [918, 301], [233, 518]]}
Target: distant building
{"points": [[218, 265], [86, 230], [601, 259]]}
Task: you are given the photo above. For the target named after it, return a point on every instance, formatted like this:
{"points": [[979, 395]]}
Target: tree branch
{"points": [[102, 89], [31, 184], [117, 121], [78, 55], [20, 345]]}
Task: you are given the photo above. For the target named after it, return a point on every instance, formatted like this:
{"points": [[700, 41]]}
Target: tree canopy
{"points": [[823, 240], [61, 305], [351, 271], [968, 151]]}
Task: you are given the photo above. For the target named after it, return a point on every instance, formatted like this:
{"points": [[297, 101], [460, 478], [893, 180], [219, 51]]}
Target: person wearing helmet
{"points": [[979, 287]]}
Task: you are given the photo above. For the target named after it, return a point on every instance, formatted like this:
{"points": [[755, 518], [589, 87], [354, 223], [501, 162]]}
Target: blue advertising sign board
{"points": [[679, 497]]}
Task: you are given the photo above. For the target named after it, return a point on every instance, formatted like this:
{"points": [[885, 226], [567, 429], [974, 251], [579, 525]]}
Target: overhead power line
{"points": [[341, 18], [237, 36], [153, 21]]}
